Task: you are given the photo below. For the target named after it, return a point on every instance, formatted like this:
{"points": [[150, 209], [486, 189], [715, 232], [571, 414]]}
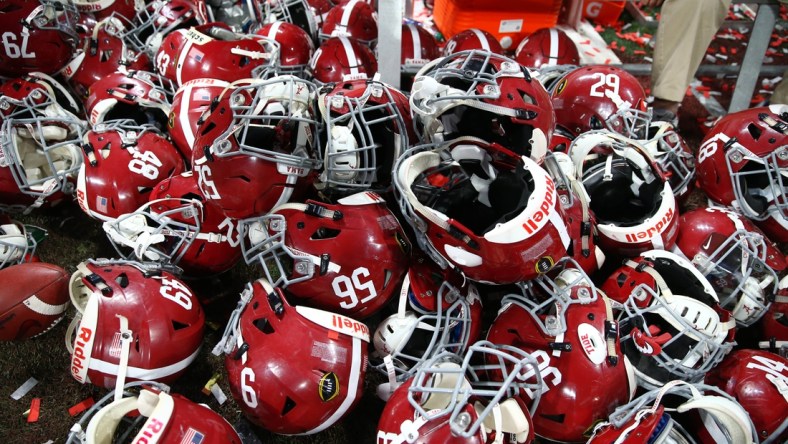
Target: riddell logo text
{"points": [[656, 229], [343, 323], [78, 358], [151, 432], [543, 212]]}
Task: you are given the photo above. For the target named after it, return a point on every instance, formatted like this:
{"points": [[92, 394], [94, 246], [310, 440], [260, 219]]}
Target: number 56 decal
{"points": [[347, 287]]}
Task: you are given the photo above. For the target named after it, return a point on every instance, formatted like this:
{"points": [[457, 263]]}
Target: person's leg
{"points": [[780, 94], [686, 27]]}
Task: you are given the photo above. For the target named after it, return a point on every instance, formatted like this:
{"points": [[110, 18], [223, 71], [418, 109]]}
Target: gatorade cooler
{"points": [[508, 20], [603, 12]]}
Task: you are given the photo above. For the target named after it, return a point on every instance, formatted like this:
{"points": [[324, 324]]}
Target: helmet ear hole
{"points": [[288, 406], [754, 131], [264, 325], [122, 280]]}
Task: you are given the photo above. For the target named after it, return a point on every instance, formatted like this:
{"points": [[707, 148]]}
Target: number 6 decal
{"points": [[247, 393]]}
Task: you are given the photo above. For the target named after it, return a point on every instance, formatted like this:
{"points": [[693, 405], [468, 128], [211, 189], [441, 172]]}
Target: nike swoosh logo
{"points": [[708, 242]]}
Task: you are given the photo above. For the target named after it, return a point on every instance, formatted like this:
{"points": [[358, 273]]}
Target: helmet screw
{"points": [[463, 420], [301, 268]]}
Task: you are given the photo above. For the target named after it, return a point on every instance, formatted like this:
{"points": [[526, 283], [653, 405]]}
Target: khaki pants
{"points": [[686, 27], [781, 91]]}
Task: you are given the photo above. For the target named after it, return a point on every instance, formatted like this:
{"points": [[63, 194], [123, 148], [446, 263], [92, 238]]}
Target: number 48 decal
{"points": [[345, 287], [145, 164]]}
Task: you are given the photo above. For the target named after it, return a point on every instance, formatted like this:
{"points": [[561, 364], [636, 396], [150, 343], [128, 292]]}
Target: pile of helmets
{"points": [[200, 134]]}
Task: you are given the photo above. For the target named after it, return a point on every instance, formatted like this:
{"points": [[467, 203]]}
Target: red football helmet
{"points": [[368, 126], [102, 9], [743, 163], [567, 325], [179, 227], [145, 32], [141, 96], [758, 380], [170, 418], [419, 47], [261, 138], [37, 95], [580, 220], [710, 418], [123, 162], [295, 47], [214, 51], [39, 161], [738, 260], [601, 97], [39, 142], [307, 15], [629, 194], [547, 47], [435, 313], [482, 209], [354, 19], [38, 35], [104, 53], [484, 95], [190, 102], [306, 248], [339, 59], [473, 38], [672, 325], [772, 330], [450, 399], [673, 156], [286, 395], [134, 322]]}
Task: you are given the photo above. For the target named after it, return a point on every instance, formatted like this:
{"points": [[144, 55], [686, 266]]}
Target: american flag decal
{"points": [[192, 437], [114, 348], [101, 204]]}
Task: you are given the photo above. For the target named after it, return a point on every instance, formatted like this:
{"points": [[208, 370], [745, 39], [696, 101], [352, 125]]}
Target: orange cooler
{"points": [[508, 20], [603, 12]]}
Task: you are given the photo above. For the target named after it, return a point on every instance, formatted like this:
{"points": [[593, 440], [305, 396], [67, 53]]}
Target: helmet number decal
{"points": [[775, 370], [551, 376], [177, 292], [247, 392], [345, 287], [233, 236], [14, 51], [162, 60], [204, 182], [145, 164], [606, 81], [709, 147]]}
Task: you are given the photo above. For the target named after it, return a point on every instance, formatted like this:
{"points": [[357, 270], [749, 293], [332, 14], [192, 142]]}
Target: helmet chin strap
{"points": [[126, 337], [135, 233]]}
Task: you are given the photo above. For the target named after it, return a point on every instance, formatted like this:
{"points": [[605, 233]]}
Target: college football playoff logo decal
{"points": [[328, 386]]}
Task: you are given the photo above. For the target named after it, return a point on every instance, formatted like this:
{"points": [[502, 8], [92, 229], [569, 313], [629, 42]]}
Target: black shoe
{"points": [[664, 115]]}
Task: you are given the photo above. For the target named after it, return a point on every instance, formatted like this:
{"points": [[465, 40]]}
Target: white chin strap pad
{"points": [[725, 414]]}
